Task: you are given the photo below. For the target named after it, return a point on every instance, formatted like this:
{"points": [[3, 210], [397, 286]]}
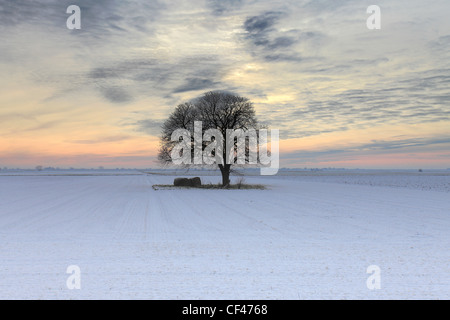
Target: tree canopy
{"points": [[215, 110]]}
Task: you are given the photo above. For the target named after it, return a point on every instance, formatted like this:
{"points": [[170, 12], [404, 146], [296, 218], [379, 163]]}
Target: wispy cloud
{"points": [[149, 126], [102, 140], [374, 147]]}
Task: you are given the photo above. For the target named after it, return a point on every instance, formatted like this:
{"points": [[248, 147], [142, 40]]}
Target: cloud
{"points": [[117, 95], [283, 57], [272, 41], [38, 127], [149, 126], [124, 69], [258, 26], [281, 42], [195, 84], [441, 44], [12, 116], [102, 140], [375, 146], [224, 7], [402, 100], [127, 80], [100, 19], [14, 12], [259, 31]]}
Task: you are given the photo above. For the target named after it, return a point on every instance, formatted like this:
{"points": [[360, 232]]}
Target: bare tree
{"points": [[216, 110]]}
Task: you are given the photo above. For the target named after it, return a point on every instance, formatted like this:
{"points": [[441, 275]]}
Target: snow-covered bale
{"points": [[196, 182], [181, 182], [185, 182]]}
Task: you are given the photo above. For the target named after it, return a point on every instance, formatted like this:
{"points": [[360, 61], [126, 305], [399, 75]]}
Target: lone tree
{"points": [[216, 110]]}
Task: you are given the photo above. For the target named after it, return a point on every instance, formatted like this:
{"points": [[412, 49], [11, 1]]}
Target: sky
{"points": [[341, 94]]}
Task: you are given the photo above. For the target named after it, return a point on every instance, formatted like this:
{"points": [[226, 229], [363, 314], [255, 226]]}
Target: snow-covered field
{"points": [[308, 236]]}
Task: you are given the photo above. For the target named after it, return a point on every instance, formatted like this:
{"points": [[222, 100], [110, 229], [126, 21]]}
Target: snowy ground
{"points": [[306, 237]]}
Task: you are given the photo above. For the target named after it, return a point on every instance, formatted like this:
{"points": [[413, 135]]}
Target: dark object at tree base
{"points": [[196, 182], [185, 182]]}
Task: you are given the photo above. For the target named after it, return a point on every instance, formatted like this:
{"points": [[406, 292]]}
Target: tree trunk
{"points": [[225, 170]]}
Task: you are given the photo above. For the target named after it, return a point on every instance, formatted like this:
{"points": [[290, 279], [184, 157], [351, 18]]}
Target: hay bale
{"points": [[182, 182], [185, 182], [196, 182]]}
